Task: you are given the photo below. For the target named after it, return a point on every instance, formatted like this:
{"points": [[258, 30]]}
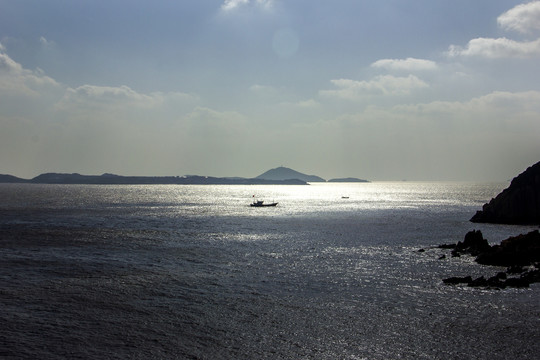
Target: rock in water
{"points": [[515, 251], [474, 243], [517, 204]]}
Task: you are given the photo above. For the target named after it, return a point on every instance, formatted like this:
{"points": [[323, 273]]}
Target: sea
{"points": [[333, 271]]}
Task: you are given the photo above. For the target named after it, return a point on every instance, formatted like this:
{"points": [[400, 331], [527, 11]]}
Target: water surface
{"points": [[194, 272]]}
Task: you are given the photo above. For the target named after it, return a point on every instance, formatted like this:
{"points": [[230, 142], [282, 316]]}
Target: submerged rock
{"points": [[517, 204]]}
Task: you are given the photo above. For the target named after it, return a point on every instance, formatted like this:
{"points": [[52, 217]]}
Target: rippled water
{"points": [[194, 272]]}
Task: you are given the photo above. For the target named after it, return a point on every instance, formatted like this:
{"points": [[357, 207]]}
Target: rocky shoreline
{"points": [[518, 204], [519, 254]]}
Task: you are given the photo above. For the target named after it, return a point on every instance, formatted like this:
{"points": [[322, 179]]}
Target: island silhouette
{"points": [[277, 176]]}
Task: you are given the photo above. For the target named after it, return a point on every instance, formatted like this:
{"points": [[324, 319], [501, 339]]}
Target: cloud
{"points": [[230, 5], [497, 48], [233, 4], [105, 95], [7, 65], [15, 80], [308, 104], [381, 85], [122, 103], [267, 4], [524, 18], [48, 126], [26, 91], [409, 64], [264, 89], [45, 42]]}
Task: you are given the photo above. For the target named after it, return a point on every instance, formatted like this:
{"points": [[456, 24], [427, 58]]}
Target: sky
{"points": [[379, 90]]}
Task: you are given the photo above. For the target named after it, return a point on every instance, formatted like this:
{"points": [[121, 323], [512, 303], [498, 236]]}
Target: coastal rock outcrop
{"points": [[521, 250], [473, 244], [520, 254], [517, 204]]}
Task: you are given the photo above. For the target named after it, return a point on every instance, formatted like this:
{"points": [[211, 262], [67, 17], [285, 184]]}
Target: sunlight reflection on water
{"points": [[318, 276]]}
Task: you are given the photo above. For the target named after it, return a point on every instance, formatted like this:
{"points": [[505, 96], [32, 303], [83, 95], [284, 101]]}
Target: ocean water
{"points": [[194, 272]]}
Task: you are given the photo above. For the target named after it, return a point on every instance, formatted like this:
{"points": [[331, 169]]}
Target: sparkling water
{"points": [[193, 272]]}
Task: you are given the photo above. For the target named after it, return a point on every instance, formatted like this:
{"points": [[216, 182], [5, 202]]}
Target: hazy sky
{"points": [[381, 90]]}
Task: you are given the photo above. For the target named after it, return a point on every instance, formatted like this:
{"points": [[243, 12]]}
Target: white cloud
{"points": [[381, 85], [524, 18], [105, 95], [497, 48], [233, 4], [15, 80], [45, 42], [230, 5], [103, 99], [409, 64], [7, 65]]}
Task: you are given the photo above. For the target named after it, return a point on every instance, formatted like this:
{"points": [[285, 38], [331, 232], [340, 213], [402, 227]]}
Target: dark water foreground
{"points": [[144, 282], [82, 293]]}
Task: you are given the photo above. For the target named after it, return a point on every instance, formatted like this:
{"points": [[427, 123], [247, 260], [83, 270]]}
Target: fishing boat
{"points": [[260, 203]]}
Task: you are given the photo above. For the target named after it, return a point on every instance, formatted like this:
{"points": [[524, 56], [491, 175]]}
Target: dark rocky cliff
{"points": [[517, 204]]}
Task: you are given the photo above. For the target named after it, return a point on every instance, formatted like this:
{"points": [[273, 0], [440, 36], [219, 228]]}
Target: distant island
{"points": [[111, 179], [283, 173], [348, 180], [278, 176], [11, 179]]}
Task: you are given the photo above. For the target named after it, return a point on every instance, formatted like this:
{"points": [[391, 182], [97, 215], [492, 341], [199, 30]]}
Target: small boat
{"points": [[260, 203]]}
